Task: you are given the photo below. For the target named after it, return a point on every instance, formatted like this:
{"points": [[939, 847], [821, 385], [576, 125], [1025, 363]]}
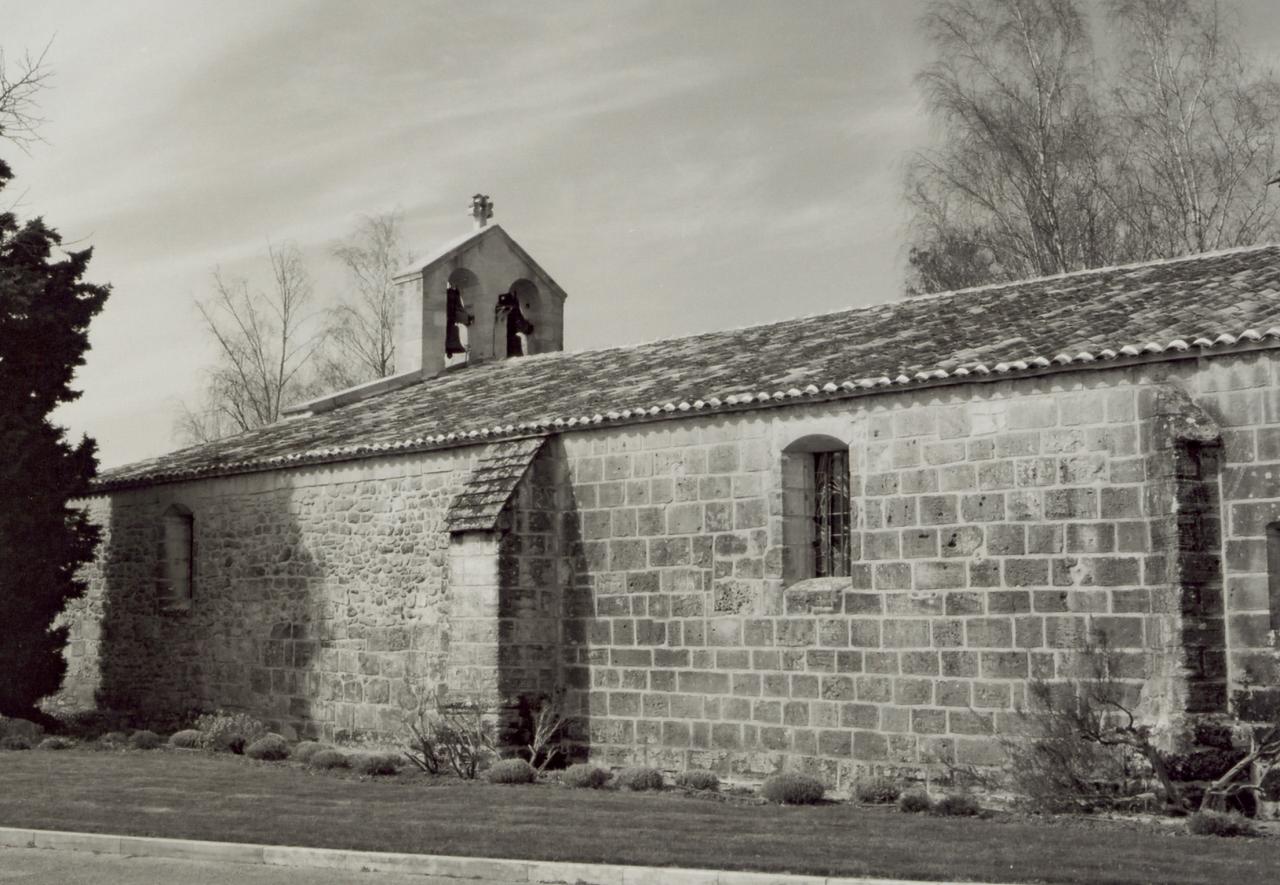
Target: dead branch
{"points": [[20, 119], [266, 342], [548, 722], [1263, 755]]}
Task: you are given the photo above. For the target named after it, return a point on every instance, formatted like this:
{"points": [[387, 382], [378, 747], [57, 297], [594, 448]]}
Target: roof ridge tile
{"points": [[1173, 308]]}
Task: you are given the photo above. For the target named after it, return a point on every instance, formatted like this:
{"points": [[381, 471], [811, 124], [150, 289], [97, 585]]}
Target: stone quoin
{"points": [[837, 543]]}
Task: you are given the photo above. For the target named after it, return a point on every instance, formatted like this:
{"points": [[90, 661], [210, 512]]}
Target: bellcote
{"points": [[478, 299]]}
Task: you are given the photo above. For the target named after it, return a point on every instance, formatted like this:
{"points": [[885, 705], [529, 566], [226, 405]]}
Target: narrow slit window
{"points": [[177, 567], [831, 514]]}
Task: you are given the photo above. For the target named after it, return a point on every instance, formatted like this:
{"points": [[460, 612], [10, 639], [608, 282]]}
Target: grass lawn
{"points": [[228, 798]]}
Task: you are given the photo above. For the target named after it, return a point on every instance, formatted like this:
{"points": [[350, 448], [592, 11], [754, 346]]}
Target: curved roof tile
{"points": [[1218, 300]]}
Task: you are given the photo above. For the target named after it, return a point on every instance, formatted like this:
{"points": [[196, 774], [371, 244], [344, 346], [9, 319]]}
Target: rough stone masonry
{"points": [[642, 564]]}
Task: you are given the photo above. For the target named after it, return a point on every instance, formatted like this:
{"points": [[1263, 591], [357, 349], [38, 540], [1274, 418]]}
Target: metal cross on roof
{"points": [[481, 209]]}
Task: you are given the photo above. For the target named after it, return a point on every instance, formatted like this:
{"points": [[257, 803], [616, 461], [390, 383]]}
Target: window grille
{"points": [[831, 514]]}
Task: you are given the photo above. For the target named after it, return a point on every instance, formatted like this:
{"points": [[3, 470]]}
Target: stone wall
{"points": [[539, 577], [1244, 396], [319, 597], [996, 525], [508, 590]]}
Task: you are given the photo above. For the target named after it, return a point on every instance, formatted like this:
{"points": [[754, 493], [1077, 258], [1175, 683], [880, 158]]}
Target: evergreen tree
{"points": [[45, 309]]}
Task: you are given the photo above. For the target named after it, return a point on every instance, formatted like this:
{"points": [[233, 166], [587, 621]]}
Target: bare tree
{"points": [[1199, 121], [266, 344], [204, 421], [20, 119], [1011, 89], [362, 326], [1043, 167]]}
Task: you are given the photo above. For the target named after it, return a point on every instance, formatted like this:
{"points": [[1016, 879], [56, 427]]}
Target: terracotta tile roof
{"points": [[1197, 304], [495, 476]]}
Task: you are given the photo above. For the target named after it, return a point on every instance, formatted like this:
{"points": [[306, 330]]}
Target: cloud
{"points": [[687, 166]]}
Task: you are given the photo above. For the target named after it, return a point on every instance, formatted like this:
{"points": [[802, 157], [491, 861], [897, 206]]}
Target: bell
{"points": [[456, 314], [452, 343], [516, 322]]}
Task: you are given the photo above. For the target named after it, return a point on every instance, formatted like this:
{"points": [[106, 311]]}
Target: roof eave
{"points": [[1125, 357]]}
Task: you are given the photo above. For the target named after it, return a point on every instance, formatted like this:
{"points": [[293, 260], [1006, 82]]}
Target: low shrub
{"points": [[640, 778], [32, 731], [1271, 785], [187, 739], [1215, 823], [957, 805], [1214, 734], [1203, 764], [877, 791], [229, 732], [458, 734], [144, 740], [793, 788], [113, 740], [538, 729], [374, 764], [16, 742], [465, 737], [304, 750], [87, 725], [697, 779], [1075, 745], [511, 771], [327, 759], [159, 721], [914, 802], [269, 747], [585, 776], [56, 743]]}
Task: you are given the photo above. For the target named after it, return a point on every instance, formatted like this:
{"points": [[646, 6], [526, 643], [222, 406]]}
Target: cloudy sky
{"points": [[676, 166]]}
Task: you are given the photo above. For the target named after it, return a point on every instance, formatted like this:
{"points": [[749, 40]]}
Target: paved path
{"points": [[52, 866], [67, 858]]}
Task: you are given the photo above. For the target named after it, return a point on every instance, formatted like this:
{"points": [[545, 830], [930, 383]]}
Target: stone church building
{"points": [[832, 543]]}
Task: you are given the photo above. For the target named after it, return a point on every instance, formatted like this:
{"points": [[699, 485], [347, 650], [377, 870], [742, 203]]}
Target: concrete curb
{"points": [[476, 870]]}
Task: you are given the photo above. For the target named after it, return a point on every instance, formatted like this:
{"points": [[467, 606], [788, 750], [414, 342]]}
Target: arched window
{"points": [[817, 519], [458, 315], [175, 584], [519, 318]]}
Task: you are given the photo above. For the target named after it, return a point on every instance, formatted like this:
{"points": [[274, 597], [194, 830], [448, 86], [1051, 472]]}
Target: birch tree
{"points": [[1199, 121], [362, 326], [1008, 193], [1051, 159]]}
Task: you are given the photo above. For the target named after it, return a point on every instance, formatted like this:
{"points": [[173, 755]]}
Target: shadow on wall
{"points": [[1183, 500], [226, 614], [544, 603], [306, 607]]}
